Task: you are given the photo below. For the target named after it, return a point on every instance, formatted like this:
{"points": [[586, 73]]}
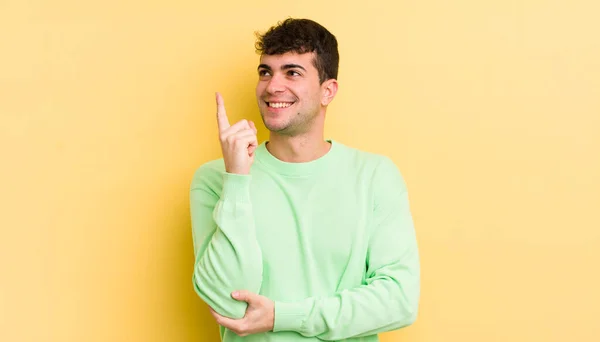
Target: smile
{"points": [[279, 104]]}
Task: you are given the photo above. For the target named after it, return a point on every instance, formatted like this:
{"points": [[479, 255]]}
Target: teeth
{"points": [[279, 104]]}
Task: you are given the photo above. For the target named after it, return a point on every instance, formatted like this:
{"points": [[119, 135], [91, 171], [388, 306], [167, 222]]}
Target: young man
{"points": [[301, 238]]}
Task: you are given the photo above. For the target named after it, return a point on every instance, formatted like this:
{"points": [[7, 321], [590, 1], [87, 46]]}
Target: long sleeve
{"points": [[227, 255], [389, 299]]}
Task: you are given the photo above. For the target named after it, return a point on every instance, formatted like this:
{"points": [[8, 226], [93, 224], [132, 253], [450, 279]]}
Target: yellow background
{"points": [[490, 108]]}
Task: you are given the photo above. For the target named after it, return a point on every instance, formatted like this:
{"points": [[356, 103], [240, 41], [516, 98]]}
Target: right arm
{"points": [[227, 254]]}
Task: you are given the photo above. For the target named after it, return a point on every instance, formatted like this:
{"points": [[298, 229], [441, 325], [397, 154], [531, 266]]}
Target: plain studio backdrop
{"points": [[491, 109]]}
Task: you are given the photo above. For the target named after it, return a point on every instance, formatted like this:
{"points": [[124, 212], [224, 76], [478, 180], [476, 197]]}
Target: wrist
{"points": [[236, 187], [289, 316], [235, 171]]}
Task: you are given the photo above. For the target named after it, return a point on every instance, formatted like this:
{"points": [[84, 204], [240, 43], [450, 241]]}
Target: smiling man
{"points": [[301, 238]]}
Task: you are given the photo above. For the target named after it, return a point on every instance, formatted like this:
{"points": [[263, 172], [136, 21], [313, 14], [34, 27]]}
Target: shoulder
{"points": [[209, 174], [376, 162], [382, 171]]}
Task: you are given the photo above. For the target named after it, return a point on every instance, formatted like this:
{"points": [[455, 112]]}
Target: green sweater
{"points": [[330, 241]]}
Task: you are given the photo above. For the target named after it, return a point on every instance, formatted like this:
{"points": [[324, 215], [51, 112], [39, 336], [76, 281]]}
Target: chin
{"points": [[276, 128], [273, 124]]}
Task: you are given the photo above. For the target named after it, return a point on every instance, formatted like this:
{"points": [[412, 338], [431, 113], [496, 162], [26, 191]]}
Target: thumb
{"points": [[243, 295]]}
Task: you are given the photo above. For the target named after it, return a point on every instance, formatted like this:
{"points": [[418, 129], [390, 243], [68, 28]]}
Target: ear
{"points": [[330, 88]]}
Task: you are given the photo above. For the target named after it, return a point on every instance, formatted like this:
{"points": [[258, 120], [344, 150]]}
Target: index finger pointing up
{"points": [[222, 119]]}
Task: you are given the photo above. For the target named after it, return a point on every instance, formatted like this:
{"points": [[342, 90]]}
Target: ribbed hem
{"points": [[236, 187], [289, 316]]}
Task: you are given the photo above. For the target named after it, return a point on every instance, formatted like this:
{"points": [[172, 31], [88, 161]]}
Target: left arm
{"points": [[390, 298]]}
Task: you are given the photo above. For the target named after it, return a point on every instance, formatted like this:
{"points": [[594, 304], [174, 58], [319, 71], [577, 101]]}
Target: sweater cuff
{"points": [[289, 316], [236, 187]]}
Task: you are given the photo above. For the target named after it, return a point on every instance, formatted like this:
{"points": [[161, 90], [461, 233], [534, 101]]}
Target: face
{"points": [[288, 92]]}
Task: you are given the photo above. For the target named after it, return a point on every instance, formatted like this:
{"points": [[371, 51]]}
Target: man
{"points": [[301, 238]]}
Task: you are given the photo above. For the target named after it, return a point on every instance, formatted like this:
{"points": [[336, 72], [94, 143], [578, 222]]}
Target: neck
{"points": [[298, 149]]}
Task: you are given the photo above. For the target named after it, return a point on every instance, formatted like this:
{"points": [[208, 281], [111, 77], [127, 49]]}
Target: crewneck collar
{"points": [[265, 157]]}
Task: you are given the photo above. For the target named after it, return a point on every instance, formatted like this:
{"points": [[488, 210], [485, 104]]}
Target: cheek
{"points": [[318, 97], [260, 88]]}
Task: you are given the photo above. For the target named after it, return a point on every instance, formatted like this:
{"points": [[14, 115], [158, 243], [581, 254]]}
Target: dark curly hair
{"points": [[302, 36]]}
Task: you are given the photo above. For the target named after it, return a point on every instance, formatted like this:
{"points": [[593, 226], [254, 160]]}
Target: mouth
{"points": [[279, 104]]}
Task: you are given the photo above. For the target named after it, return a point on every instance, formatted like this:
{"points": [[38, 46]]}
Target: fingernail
{"points": [[235, 294]]}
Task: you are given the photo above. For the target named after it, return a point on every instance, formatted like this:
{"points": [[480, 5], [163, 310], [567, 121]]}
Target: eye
{"points": [[263, 72], [293, 73]]}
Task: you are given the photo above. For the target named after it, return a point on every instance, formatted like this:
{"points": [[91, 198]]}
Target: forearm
{"points": [[385, 304], [229, 259]]}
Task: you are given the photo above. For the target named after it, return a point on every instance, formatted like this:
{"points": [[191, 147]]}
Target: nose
{"points": [[275, 85]]}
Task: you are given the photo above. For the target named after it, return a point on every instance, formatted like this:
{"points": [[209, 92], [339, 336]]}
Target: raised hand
{"points": [[238, 141]]}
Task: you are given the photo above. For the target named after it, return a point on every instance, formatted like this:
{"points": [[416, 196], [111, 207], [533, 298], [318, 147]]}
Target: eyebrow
{"points": [[283, 67]]}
